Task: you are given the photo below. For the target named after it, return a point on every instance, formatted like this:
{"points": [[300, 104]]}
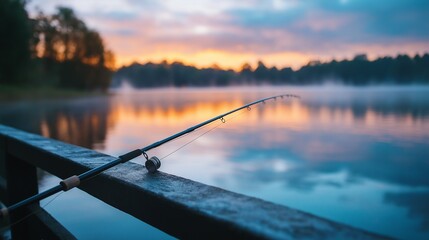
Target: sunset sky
{"points": [[229, 33]]}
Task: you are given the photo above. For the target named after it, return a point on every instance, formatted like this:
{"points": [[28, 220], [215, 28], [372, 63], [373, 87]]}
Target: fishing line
{"points": [[191, 133], [211, 129], [31, 213], [42, 207], [186, 144]]}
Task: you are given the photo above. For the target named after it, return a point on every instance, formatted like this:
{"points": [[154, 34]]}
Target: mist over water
{"points": [[356, 155]]}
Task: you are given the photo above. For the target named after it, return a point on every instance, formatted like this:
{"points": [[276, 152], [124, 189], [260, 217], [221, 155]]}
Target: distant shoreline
{"points": [[360, 71]]}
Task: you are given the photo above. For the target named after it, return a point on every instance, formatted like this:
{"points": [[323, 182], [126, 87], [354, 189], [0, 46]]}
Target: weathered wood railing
{"points": [[178, 206]]}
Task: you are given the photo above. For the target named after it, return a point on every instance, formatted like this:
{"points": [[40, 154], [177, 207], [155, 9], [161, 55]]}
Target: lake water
{"points": [[359, 156]]}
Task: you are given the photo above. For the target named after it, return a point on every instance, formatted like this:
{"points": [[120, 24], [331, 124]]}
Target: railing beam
{"points": [[178, 206]]}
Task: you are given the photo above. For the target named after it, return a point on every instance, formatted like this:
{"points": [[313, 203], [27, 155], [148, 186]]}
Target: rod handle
{"points": [[70, 182]]}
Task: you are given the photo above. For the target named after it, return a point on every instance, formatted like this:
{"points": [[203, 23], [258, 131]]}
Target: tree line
{"points": [[401, 69], [51, 50]]}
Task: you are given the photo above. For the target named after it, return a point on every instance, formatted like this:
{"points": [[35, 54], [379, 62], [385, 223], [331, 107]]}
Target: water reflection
{"points": [[355, 155], [82, 122], [416, 204]]}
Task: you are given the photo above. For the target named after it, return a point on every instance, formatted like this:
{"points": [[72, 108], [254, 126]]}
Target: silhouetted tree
{"points": [[246, 73], [15, 34], [285, 76], [74, 52], [261, 72]]}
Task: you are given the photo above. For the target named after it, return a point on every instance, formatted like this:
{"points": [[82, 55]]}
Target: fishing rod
{"points": [[152, 164]]}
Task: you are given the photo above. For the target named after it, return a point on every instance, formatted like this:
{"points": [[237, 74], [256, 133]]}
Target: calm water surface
{"points": [[359, 156]]}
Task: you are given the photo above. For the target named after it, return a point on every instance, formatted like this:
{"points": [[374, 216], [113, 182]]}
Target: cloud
{"points": [[259, 28], [346, 23]]}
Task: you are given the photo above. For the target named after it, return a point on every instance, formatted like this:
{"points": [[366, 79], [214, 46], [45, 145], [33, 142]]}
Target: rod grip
{"points": [[70, 183], [131, 155]]}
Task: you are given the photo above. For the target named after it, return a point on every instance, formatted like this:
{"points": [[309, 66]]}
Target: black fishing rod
{"points": [[152, 164]]}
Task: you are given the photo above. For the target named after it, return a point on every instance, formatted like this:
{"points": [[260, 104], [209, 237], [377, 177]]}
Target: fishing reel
{"points": [[152, 164]]}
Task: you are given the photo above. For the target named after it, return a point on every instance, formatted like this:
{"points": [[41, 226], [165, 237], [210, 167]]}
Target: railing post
{"points": [[21, 183]]}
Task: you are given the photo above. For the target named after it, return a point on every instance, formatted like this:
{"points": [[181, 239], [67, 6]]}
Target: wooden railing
{"points": [[177, 206]]}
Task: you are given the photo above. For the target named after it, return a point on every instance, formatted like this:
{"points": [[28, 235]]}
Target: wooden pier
{"points": [[175, 205]]}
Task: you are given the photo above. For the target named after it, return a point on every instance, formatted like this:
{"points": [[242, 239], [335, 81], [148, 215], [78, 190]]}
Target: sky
{"points": [[229, 33]]}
